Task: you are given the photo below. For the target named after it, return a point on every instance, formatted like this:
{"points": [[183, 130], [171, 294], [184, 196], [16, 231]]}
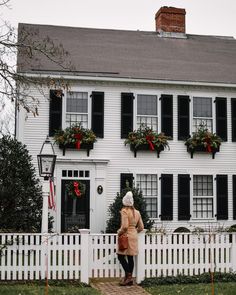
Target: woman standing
{"points": [[131, 224]]}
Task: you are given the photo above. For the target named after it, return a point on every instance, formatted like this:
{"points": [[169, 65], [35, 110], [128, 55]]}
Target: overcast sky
{"points": [[206, 17]]}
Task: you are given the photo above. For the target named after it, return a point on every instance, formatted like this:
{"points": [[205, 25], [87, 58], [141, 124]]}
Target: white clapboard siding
{"points": [[121, 160]]}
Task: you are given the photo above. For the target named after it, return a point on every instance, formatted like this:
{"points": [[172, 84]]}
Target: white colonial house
{"points": [[170, 80]]}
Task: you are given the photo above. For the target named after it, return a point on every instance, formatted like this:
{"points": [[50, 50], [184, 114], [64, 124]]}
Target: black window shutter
{"points": [[234, 197], [221, 117], [167, 114], [127, 100], [55, 111], [183, 197], [126, 180], [233, 112], [222, 196], [98, 113], [183, 117], [166, 197]]}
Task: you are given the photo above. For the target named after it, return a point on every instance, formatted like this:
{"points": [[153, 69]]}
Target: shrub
{"points": [[20, 190], [113, 224], [196, 279]]}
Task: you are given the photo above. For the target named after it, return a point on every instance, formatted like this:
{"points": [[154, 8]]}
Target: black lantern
{"points": [[46, 160]]}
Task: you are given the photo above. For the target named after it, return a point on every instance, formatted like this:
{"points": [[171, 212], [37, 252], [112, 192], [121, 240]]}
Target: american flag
{"points": [[51, 196]]}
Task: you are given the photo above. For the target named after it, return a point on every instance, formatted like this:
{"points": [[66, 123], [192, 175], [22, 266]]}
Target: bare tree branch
{"points": [[30, 44], [4, 2]]}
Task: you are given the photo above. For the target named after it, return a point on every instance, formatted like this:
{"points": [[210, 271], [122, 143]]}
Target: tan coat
{"points": [[131, 224]]}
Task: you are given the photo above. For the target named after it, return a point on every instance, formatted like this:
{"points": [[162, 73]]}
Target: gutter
{"points": [[128, 80]]}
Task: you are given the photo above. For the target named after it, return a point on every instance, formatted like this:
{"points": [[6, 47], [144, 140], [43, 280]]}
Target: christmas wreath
{"points": [[75, 189]]}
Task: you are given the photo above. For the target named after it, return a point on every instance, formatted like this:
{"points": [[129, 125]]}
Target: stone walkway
{"points": [[111, 287]]}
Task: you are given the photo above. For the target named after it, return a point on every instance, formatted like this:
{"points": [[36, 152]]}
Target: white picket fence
{"points": [[84, 256]]}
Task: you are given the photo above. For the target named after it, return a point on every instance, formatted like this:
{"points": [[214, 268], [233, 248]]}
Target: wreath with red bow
{"points": [[75, 189]]}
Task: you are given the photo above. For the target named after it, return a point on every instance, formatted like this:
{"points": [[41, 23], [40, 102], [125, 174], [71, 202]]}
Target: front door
{"points": [[74, 212]]}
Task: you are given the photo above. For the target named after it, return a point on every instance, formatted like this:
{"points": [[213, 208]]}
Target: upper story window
{"points": [[147, 183], [77, 108], [147, 111], [203, 197], [202, 113]]}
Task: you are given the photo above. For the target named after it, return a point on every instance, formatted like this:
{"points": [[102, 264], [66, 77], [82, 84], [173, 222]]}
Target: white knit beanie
{"points": [[128, 199]]}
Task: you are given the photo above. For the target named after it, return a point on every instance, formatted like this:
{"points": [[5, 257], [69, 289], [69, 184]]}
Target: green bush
{"points": [[20, 189], [182, 279], [181, 230], [232, 228], [113, 224]]}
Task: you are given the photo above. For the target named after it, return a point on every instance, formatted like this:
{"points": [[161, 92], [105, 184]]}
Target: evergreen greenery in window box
{"points": [[75, 137], [203, 141], [144, 138]]}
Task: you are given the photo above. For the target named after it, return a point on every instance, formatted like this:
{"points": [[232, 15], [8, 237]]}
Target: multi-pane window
{"points": [[77, 108], [203, 196], [202, 113], [147, 111], [147, 183]]}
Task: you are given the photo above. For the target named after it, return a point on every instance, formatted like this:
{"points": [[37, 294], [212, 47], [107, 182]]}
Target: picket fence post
{"points": [[140, 270], [84, 255], [233, 253]]}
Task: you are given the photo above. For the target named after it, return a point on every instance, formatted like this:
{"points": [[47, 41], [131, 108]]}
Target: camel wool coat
{"points": [[131, 224]]}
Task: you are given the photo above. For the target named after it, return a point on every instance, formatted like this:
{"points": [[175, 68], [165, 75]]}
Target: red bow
{"points": [[149, 139], [208, 147], [78, 137], [76, 189]]}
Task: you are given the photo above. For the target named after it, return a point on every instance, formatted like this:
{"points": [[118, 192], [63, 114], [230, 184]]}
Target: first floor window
{"points": [[202, 113], [147, 111], [203, 206], [147, 183], [77, 108]]}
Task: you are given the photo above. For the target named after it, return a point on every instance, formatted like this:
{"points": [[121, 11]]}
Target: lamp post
{"points": [[46, 164]]}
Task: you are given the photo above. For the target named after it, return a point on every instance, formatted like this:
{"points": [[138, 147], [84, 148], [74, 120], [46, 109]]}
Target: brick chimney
{"points": [[170, 20]]}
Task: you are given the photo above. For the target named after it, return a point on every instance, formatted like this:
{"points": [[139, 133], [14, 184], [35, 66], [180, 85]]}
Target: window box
{"points": [[145, 139], [203, 141], [75, 137], [145, 147], [203, 149], [83, 146]]}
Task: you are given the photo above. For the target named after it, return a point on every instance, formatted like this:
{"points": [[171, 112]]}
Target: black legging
{"points": [[127, 266]]}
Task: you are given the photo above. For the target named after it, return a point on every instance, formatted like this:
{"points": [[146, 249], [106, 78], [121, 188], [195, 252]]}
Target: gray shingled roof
{"points": [[138, 54]]}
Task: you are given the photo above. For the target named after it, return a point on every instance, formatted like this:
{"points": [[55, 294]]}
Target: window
{"points": [[147, 111], [77, 108], [147, 183], [203, 198], [202, 113]]}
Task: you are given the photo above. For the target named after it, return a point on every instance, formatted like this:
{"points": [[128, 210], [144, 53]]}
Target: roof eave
{"points": [[127, 80]]}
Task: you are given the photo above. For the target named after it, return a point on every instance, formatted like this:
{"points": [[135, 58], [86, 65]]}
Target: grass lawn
{"points": [[193, 289], [39, 289]]}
